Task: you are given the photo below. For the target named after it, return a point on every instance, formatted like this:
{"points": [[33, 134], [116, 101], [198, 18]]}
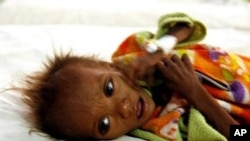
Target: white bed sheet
{"points": [[26, 38]]}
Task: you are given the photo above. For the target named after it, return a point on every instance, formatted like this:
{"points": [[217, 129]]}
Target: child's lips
{"points": [[141, 108]]}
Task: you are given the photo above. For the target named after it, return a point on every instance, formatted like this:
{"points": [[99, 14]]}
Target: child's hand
{"points": [[143, 67], [179, 76]]}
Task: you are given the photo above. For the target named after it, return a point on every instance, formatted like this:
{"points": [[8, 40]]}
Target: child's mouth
{"points": [[140, 108]]}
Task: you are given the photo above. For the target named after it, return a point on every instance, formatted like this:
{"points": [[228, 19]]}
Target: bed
{"points": [[30, 30]]}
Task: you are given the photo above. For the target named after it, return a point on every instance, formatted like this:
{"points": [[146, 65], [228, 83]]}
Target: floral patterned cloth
{"points": [[226, 76]]}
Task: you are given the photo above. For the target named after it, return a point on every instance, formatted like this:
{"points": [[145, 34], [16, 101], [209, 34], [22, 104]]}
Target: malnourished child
{"points": [[148, 91]]}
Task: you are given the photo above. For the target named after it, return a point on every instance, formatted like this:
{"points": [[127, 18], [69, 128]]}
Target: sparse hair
{"points": [[40, 89]]}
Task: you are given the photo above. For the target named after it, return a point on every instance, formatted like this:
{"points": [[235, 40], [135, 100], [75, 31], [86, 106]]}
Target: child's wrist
{"points": [[165, 43]]}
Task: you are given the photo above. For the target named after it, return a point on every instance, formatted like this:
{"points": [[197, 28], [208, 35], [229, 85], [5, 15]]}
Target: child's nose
{"points": [[124, 108]]}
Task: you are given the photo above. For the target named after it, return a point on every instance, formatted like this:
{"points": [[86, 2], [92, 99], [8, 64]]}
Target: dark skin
{"points": [[100, 104], [190, 88], [184, 81], [148, 61], [91, 102]]}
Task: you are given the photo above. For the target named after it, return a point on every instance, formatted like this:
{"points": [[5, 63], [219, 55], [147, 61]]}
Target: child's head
{"points": [[77, 97]]}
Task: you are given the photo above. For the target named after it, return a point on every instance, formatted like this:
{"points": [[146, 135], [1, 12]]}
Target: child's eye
{"points": [[109, 88], [103, 126]]}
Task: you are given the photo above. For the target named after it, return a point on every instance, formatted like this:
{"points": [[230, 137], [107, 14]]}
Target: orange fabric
{"points": [[225, 68]]}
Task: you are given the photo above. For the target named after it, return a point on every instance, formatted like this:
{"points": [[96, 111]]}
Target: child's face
{"points": [[106, 105]]}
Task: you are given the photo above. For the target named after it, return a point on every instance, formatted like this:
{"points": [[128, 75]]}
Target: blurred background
{"points": [[215, 13]]}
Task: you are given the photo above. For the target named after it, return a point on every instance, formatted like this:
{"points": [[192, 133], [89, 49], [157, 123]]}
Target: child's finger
{"points": [[167, 62], [185, 59], [162, 68], [175, 58]]}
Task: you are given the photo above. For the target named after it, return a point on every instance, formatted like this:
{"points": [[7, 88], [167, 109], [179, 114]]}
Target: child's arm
{"points": [[179, 76], [142, 68], [181, 32]]}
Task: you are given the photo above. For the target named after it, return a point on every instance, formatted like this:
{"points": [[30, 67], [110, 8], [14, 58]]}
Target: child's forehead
{"points": [[77, 94], [76, 66], [75, 81]]}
